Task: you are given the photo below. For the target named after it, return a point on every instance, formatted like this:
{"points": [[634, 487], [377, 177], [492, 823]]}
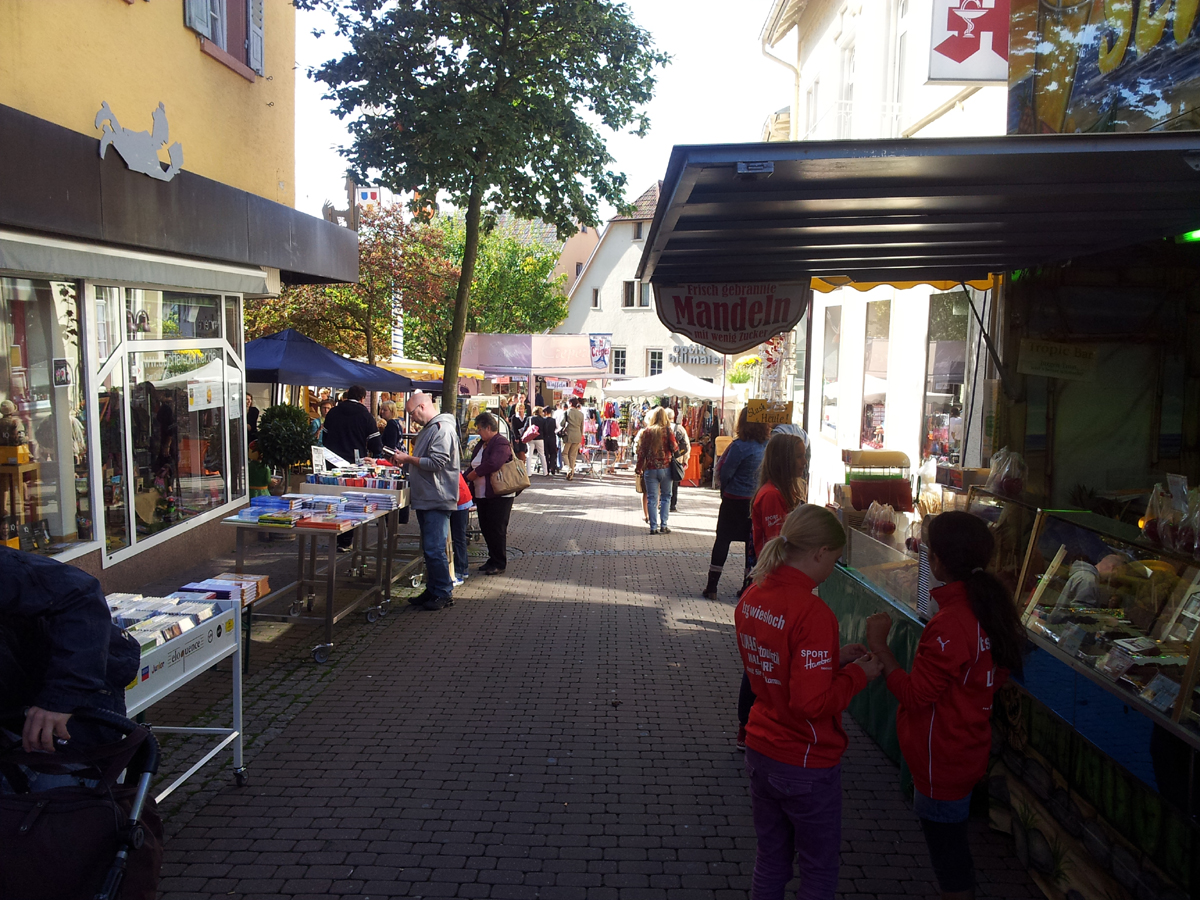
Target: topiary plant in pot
{"points": [[284, 437]]}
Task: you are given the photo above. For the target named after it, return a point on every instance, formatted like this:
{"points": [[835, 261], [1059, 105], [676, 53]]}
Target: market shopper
{"points": [[537, 445], [459, 519], [656, 446], [944, 720], [572, 435], [788, 640], [549, 430], [493, 452], [391, 430], [59, 652], [737, 472], [350, 428], [433, 476], [680, 460], [782, 486]]}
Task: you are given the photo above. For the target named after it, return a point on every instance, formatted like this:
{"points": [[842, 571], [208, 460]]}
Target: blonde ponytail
{"points": [[807, 528]]}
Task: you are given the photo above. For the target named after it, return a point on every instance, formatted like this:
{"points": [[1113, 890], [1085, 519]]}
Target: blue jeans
{"points": [[658, 495], [435, 529], [458, 538], [797, 813]]}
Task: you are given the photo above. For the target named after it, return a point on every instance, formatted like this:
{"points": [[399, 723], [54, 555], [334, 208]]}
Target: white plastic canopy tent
{"points": [[673, 382]]}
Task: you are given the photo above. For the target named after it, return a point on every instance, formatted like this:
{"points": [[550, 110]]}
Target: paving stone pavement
{"points": [[563, 732]]}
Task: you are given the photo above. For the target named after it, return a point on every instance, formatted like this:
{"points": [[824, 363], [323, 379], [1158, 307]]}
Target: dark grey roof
{"points": [[915, 209]]}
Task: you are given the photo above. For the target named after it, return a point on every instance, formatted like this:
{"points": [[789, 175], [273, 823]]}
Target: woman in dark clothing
{"points": [[518, 422], [548, 428], [493, 452], [391, 431], [737, 471]]}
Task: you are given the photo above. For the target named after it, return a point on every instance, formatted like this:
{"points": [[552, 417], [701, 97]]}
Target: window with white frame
{"points": [[654, 362], [628, 294], [234, 26], [637, 231], [644, 295], [618, 361], [578, 269], [810, 108], [595, 298]]}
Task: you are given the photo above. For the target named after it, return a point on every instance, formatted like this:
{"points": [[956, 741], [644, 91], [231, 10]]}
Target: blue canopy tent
{"points": [[289, 357]]}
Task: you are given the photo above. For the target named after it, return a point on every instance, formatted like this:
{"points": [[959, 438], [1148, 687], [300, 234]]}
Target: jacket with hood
{"points": [[433, 479]]}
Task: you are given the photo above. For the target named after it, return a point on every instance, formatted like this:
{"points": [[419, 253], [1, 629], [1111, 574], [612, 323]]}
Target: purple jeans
{"points": [[797, 812]]}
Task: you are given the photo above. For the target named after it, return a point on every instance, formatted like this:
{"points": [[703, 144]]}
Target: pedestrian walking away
{"points": [[572, 434], [433, 477], [679, 462], [782, 487], [656, 446], [493, 452], [944, 725], [737, 474], [788, 640]]}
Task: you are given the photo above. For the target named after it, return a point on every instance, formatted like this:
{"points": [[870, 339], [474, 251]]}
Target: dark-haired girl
{"points": [[944, 720]]}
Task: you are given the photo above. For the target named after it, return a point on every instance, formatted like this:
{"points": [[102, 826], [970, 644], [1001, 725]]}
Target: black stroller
{"points": [[81, 842]]}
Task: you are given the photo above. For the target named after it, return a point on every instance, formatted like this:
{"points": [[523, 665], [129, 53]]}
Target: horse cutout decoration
{"points": [[140, 149]]}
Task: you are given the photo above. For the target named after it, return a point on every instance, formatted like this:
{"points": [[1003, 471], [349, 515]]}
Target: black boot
{"points": [[714, 576]]}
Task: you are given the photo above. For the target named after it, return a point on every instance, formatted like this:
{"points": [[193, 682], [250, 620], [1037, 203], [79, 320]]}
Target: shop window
{"points": [[644, 295], [177, 422], [233, 323], [171, 315], [109, 319], [654, 362], [875, 373], [628, 294], [829, 370], [114, 488], [945, 374], [618, 361], [235, 403], [44, 486]]}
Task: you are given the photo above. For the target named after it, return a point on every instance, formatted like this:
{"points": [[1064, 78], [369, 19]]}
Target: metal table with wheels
{"points": [[302, 591]]}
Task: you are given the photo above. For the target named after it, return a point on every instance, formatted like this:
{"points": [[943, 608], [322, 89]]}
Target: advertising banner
{"points": [[204, 395], [970, 41], [730, 318], [601, 345], [1096, 66]]}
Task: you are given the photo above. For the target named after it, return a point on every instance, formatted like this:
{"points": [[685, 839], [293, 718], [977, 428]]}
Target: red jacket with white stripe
{"points": [[944, 721], [788, 639]]}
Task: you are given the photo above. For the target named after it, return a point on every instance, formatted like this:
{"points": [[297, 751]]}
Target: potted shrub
{"points": [[285, 438]]}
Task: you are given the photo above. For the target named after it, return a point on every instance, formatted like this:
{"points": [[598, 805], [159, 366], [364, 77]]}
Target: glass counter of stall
{"points": [[1120, 610]]}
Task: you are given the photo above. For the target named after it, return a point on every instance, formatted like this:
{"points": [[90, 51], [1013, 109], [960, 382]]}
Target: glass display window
{"points": [[875, 373], [111, 418], [829, 370], [44, 446], [945, 378], [171, 315], [1119, 610], [233, 324]]}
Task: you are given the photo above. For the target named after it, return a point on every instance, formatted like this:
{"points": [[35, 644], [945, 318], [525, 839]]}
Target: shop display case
{"points": [[885, 563], [1011, 522], [1119, 610]]}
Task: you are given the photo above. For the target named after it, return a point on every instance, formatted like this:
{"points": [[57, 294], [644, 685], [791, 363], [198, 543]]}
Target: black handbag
{"points": [[676, 469]]}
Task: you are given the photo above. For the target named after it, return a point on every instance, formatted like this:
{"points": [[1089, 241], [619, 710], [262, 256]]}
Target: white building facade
{"points": [[608, 298], [887, 368]]}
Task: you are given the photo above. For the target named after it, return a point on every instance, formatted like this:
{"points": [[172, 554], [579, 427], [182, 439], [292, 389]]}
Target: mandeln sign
{"points": [[730, 318]]}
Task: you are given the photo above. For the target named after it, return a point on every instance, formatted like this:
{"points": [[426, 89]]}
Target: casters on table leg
{"points": [[294, 609], [239, 776], [373, 615], [321, 652], [417, 580], [385, 605]]}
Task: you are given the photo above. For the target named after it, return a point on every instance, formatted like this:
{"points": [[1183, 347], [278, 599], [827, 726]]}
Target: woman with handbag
{"points": [[656, 446], [493, 451]]}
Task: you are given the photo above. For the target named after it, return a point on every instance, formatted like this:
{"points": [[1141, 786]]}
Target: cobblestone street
{"points": [[564, 732]]}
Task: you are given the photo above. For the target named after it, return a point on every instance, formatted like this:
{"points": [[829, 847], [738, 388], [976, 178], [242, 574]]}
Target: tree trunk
{"points": [[370, 334], [462, 299]]}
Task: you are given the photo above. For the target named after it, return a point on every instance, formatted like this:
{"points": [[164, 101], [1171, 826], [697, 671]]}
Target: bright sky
{"points": [[718, 89]]}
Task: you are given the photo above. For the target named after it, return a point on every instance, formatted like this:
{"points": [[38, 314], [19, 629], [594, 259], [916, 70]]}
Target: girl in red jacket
{"points": [[802, 681], [781, 488], [944, 720]]}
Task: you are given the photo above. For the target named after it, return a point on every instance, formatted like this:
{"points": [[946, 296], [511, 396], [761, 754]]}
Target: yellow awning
{"points": [[831, 283], [420, 370]]}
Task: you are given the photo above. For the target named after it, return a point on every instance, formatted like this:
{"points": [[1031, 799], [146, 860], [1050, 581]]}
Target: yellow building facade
{"points": [[60, 59]]}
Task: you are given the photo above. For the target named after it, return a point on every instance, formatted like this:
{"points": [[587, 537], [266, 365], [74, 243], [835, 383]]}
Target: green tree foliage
{"points": [[494, 104], [514, 291]]}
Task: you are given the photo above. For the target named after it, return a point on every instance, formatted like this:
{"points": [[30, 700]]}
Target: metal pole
{"points": [[724, 361]]}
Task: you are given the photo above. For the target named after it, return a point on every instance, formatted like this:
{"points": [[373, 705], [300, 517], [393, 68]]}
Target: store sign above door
{"points": [[730, 318]]}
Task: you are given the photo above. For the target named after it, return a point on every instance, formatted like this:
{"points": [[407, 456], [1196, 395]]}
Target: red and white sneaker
{"points": [[741, 738]]}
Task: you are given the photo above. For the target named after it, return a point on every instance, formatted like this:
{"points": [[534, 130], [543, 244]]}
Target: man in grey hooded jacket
{"points": [[433, 474]]}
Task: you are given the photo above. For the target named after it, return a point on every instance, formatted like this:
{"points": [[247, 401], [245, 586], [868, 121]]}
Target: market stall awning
{"points": [[289, 357], [420, 370], [673, 382], [938, 209]]}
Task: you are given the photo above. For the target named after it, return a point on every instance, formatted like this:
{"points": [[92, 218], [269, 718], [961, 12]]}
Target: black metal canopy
{"points": [[913, 210]]}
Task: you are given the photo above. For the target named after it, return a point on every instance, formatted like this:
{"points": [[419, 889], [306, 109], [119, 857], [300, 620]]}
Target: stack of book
{"points": [[327, 522], [152, 621], [287, 501], [221, 590], [280, 518], [386, 502], [256, 585]]}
